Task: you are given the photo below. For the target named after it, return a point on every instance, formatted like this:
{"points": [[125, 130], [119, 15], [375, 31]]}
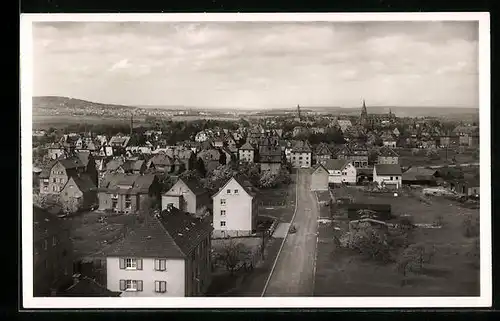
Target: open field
{"points": [[407, 158], [451, 272]]}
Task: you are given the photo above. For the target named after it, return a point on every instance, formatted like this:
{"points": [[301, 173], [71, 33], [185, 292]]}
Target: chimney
{"points": [[76, 278]]}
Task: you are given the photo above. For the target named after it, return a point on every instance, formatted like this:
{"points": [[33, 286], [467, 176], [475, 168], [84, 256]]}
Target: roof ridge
{"points": [[158, 221]]}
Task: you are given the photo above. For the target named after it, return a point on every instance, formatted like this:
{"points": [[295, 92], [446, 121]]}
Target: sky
{"points": [[259, 64]]}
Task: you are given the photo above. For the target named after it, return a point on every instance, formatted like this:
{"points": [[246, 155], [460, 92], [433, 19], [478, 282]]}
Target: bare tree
{"points": [[232, 254]]}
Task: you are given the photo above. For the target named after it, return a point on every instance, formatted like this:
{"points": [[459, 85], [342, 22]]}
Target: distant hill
{"points": [[61, 103], [58, 102]]}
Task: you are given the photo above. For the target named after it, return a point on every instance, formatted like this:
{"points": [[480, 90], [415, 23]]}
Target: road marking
{"points": [[284, 239]]}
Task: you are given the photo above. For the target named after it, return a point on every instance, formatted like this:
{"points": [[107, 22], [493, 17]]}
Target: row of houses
{"points": [[167, 255]]}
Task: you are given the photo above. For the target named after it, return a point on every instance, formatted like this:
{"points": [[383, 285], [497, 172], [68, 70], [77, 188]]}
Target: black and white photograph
{"points": [[256, 160]]}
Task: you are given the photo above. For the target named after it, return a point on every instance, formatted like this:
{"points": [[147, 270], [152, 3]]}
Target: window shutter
{"points": [[139, 285], [163, 286], [122, 285], [122, 263], [139, 264], [164, 265], [157, 265]]}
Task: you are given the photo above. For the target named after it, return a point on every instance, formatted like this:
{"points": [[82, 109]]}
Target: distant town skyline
{"points": [[259, 65]]}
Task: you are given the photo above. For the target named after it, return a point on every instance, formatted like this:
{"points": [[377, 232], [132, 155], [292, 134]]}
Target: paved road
{"points": [[294, 271]]}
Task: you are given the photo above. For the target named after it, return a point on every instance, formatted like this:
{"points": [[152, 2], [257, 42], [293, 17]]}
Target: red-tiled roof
{"points": [[388, 169]]}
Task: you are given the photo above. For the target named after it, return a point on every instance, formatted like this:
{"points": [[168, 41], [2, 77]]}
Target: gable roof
{"points": [[169, 234], [335, 164], [388, 169], [301, 147], [323, 149], [140, 183], [71, 162], [133, 165], [87, 287], [418, 173], [243, 181], [193, 185], [318, 166], [247, 146], [83, 182], [387, 152]]}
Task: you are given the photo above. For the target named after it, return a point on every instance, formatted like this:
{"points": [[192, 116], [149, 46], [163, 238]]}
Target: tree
{"points": [[413, 258], [200, 167], [268, 180], [72, 205], [370, 242], [432, 154], [232, 254], [191, 175]]}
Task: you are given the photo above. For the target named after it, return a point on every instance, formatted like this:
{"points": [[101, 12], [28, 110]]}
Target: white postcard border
{"points": [[26, 66]]}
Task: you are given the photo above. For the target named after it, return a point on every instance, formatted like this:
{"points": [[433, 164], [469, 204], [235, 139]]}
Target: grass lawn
{"points": [[89, 235], [278, 202], [341, 272]]}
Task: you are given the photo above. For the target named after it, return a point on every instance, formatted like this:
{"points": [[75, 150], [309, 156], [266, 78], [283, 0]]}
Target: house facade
{"points": [[386, 155], [124, 193], [301, 155], [235, 209], [246, 153], [270, 157], [167, 256], [186, 195], [79, 193], [57, 174], [319, 178], [340, 171], [52, 254], [388, 175]]}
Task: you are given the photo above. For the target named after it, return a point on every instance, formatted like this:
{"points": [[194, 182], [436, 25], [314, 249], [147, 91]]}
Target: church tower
{"points": [[363, 119], [298, 118]]}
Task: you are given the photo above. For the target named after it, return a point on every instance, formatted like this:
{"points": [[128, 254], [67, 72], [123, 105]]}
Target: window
{"points": [[223, 212], [54, 180], [222, 201], [222, 223], [391, 178], [160, 265], [228, 191], [131, 264], [54, 240], [235, 191], [114, 203], [128, 201], [61, 180], [397, 178], [160, 286], [130, 285]]}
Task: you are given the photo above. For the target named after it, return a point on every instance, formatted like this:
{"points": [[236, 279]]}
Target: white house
{"points": [[246, 153], [388, 175], [201, 137], [301, 155], [186, 195], [166, 256], [235, 208], [340, 171]]}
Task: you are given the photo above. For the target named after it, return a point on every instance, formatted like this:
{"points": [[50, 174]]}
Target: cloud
{"points": [[228, 64], [122, 64]]}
